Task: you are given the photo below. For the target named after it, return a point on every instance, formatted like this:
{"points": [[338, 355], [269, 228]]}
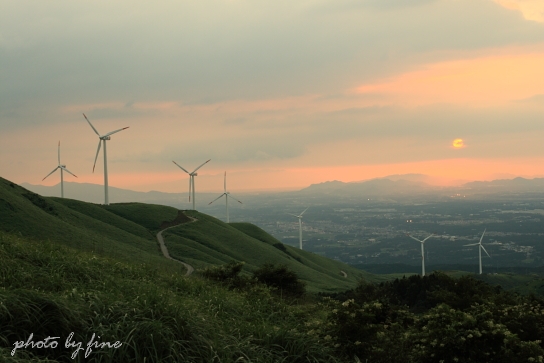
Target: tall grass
{"points": [[51, 290]]}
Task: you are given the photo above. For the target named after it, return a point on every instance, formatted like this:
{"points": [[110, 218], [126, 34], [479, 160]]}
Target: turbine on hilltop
{"points": [[192, 179], [103, 139], [227, 195], [480, 248], [422, 251], [299, 226], [62, 168]]}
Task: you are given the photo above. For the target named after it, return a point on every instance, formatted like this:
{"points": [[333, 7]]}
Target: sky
{"points": [[279, 94]]}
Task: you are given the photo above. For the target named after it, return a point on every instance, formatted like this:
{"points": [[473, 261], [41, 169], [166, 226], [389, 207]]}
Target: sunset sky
{"points": [[280, 94]]}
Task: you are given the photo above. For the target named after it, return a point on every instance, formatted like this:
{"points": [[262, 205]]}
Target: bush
{"points": [[228, 275], [281, 278]]}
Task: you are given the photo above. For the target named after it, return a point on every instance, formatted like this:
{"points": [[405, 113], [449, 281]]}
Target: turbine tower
{"points": [[192, 179], [299, 226], [227, 195], [480, 248], [422, 251], [103, 138], [62, 168]]}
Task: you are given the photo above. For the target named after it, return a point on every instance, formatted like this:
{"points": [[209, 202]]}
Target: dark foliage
{"points": [[284, 280]]}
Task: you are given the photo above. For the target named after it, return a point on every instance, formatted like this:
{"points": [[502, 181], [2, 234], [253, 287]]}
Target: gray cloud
{"points": [[132, 50]]}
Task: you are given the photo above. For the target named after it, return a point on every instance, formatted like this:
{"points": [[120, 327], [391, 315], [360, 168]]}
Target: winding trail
{"points": [[164, 250]]}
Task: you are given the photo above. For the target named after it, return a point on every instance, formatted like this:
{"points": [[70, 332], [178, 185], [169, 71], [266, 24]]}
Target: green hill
{"points": [[127, 231], [209, 241]]}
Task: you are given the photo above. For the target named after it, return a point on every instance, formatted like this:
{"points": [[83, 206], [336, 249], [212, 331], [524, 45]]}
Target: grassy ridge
{"points": [[80, 225], [210, 241]]}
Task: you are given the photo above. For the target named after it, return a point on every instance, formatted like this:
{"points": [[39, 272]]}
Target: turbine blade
{"points": [[201, 166], [483, 248], [59, 152], [51, 172], [481, 238], [472, 244], [225, 182], [68, 171], [427, 238], [412, 237], [113, 132], [91, 125], [291, 214], [97, 151], [180, 167], [304, 211], [216, 198], [230, 195]]}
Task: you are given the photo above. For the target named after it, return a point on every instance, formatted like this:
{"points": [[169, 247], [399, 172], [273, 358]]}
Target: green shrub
{"points": [[228, 275], [281, 278]]}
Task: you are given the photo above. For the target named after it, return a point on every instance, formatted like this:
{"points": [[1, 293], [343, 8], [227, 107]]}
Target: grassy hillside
{"points": [[47, 289], [127, 231], [84, 226], [208, 241]]}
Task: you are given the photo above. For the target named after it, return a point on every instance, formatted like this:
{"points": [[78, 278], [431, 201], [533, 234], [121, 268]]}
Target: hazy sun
{"points": [[458, 143]]}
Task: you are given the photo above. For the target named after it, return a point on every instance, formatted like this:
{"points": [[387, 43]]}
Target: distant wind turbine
{"points": [[480, 248], [299, 226], [191, 179], [227, 195], [422, 251], [103, 139], [62, 168]]}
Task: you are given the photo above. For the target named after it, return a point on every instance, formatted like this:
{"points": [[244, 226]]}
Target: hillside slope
{"points": [[210, 241], [127, 231], [80, 225]]}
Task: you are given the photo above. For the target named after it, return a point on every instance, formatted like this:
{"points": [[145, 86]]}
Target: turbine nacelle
{"points": [[105, 137]]}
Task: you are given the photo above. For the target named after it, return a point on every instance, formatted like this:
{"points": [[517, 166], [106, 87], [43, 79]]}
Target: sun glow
{"points": [[458, 143]]}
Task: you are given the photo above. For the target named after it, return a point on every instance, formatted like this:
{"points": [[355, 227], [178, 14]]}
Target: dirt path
{"points": [[344, 274], [164, 250]]}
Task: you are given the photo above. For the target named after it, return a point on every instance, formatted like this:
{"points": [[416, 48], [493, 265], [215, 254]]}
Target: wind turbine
{"points": [[227, 195], [480, 248], [192, 179], [422, 251], [62, 168], [299, 226], [103, 138]]}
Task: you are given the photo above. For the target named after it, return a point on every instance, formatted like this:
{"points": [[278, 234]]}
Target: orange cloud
{"points": [[530, 9], [483, 81]]}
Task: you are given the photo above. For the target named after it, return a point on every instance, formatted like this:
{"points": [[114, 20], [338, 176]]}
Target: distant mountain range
{"points": [[394, 185], [418, 184]]}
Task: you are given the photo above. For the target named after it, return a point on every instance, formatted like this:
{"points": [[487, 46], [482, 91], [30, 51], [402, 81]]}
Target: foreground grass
{"points": [[51, 290]]}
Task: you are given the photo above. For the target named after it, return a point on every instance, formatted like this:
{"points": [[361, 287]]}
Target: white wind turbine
{"points": [[422, 251], [191, 179], [480, 248], [227, 195], [103, 138], [62, 168], [299, 226]]}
